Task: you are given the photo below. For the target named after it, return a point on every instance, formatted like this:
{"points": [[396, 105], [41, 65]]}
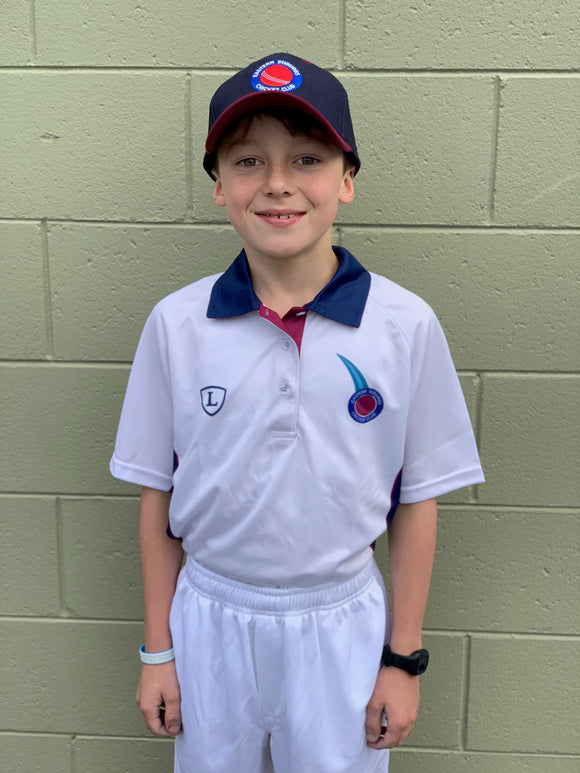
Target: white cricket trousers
{"points": [[276, 679]]}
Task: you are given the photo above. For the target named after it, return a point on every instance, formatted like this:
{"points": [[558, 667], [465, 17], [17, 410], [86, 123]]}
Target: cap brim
{"points": [[267, 99]]}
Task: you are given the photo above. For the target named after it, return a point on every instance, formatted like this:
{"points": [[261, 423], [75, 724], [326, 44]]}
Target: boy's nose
{"points": [[278, 181]]}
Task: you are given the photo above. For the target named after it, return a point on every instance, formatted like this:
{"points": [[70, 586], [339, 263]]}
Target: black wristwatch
{"points": [[416, 663]]}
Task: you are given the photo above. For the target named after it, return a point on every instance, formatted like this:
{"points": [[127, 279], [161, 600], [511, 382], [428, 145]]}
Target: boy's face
{"points": [[281, 191]]}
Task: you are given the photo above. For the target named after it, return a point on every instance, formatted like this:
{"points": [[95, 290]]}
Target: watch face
{"points": [[422, 661]]}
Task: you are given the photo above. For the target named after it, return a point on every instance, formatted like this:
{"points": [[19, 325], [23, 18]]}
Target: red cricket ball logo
{"points": [[276, 75]]}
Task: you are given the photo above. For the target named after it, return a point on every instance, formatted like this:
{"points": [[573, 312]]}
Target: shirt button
{"points": [[286, 344], [284, 387]]}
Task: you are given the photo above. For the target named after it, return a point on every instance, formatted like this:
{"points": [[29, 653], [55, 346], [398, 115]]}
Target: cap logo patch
{"points": [[276, 75], [366, 403]]}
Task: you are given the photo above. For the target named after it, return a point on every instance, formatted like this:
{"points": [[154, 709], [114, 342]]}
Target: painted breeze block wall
{"points": [[467, 117]]}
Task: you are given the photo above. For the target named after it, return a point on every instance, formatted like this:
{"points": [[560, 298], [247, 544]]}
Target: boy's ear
{"points": [[347, 190], [218, 191]]}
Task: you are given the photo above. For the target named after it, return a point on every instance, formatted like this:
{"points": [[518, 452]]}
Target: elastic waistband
{"points": [[282, 601]]}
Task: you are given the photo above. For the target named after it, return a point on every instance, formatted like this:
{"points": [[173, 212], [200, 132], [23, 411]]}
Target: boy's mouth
{"points": [[272, 215]]}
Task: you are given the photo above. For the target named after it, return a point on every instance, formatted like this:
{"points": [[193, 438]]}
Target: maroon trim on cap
{"points": [[267, 99]]}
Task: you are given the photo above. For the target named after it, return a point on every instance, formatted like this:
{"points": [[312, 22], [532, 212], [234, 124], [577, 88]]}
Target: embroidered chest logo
{"points": [[366, 403], [212, 399]]}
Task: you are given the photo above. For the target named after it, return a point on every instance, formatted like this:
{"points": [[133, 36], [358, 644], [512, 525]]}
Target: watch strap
{"points": [[416, 663]]}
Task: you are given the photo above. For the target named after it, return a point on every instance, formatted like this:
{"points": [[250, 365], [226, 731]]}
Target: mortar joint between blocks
{"points": [[494, 149], [341, 30], [464, 704], [32, 31], [188, 138], [45, 266], [64, 611]]}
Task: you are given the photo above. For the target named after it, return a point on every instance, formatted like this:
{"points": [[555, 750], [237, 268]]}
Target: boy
{"points": [[277, 416]]}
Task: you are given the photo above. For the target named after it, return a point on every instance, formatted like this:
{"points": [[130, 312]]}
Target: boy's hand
{"points": [[159, 697], [396, 694]]}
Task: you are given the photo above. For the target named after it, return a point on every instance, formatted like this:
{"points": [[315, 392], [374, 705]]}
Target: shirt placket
{"points": [[286, 383]]}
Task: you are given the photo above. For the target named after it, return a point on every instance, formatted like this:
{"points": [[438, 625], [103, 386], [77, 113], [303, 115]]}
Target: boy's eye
{"points": [[247, 162], [307, 161]]}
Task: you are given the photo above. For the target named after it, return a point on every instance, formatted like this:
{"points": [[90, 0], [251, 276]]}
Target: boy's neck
{"points": [[282, 284]]}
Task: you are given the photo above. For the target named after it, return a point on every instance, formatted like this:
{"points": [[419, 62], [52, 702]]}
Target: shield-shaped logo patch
{"points": [[212, 399]]}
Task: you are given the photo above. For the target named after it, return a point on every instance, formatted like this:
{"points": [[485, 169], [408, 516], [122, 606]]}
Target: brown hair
{"points": [[295, 121]]}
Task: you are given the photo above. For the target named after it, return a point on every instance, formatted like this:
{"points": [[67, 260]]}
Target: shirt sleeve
{"points": [[440, 450], [144, 446]]}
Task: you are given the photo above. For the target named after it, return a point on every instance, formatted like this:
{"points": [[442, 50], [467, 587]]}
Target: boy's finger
{"points": [[373, 724], [153, 720], [172, 716]]}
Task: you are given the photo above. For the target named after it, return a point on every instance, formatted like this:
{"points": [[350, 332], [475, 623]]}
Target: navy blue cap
{"points": [[282, 80]]}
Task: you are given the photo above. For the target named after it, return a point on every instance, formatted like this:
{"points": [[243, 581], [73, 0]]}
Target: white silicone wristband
{"points": [[155, 658]]}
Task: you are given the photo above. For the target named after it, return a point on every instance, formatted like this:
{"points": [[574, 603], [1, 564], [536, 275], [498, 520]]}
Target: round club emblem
{"points": [[276, 75], [365, 404]]}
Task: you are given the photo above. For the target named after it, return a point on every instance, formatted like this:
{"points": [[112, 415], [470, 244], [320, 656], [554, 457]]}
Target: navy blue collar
{"points": [[342, 299]]}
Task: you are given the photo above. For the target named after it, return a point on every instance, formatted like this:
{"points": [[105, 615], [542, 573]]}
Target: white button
{"points": [[286, 344], [284, 387]]}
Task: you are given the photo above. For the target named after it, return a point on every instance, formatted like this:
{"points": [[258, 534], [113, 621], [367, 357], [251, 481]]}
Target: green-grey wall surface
{"points": [[467, 118]]}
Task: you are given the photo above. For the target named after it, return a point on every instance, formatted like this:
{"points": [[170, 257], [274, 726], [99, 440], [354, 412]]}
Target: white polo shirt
{"points": [[291, 462]]}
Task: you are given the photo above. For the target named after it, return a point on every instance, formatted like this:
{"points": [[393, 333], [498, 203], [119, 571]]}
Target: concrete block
{"points": [[22, 333], [538, 158], [523, 694], [29, 574], [106, 279], [59, 427], [408, 133], [108, 755], [507, 301], [70, 677], [470, 386], [35, 753], [178, 33], [456, 35], [530, 441], [440, 714], [16, 47], [506, 571], [101, 565], [410, 761], [203, 85], [439, 720], [98, 146], [425, 147]]}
